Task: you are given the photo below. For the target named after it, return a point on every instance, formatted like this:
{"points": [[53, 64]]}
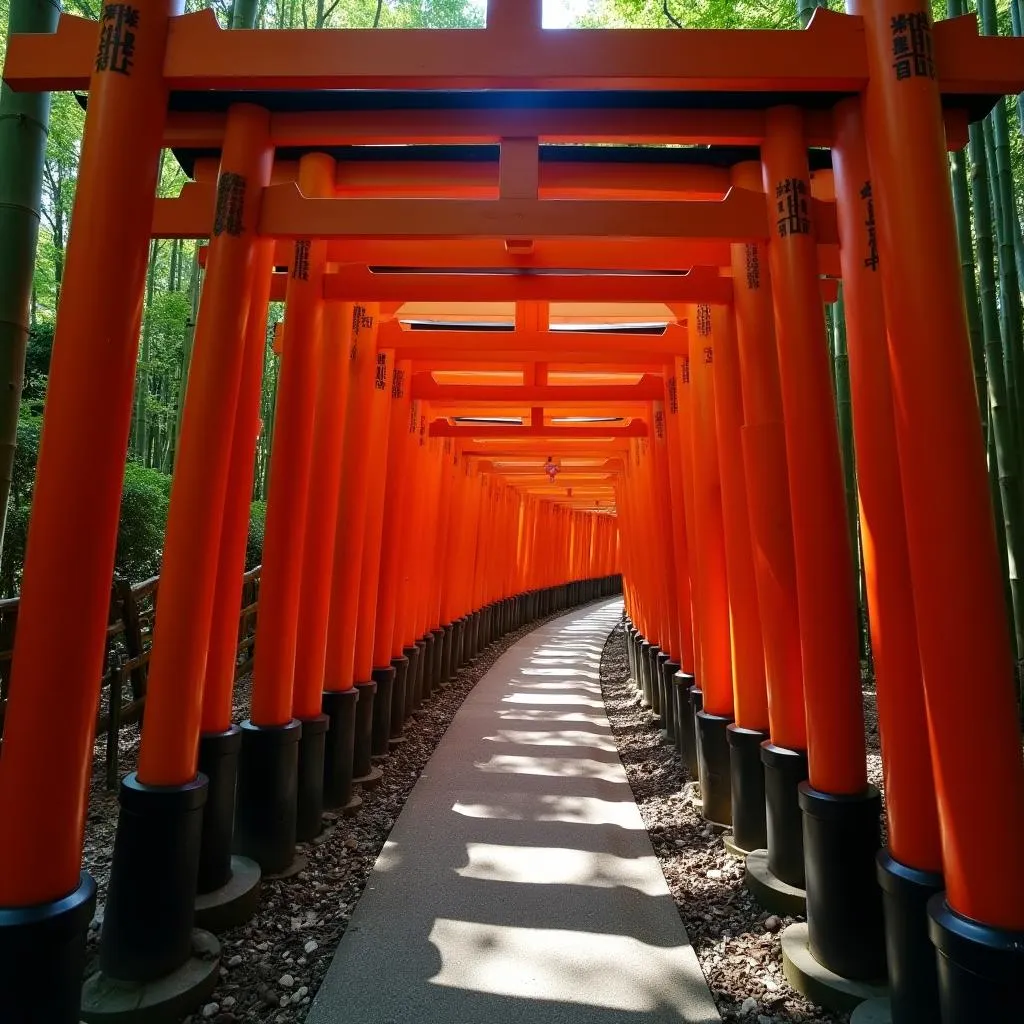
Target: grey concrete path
{"points": [[518, 884]]}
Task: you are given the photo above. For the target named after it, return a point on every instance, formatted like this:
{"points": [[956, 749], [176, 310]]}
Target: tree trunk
{"points": [[24, 118]]}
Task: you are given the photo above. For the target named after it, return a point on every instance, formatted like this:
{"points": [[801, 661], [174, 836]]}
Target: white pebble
{"points": [[310, 946], [714, 873], [749, 1005], [210, 1009], [286, 981], [227, 1002], [234, 961], [300, 993]]}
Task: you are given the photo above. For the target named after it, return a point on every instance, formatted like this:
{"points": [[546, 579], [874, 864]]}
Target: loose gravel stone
{"points": [[737, 943]]}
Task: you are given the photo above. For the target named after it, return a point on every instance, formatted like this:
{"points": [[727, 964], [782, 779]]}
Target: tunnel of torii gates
{"points": [[513, 373]]}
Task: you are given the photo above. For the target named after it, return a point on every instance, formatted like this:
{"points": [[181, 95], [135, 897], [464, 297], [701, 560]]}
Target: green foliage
{"points": [[22, 479], [37, 368], [257, 525], [140, 536]]}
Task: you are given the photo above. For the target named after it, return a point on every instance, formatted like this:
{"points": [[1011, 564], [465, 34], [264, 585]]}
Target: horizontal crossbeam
{"points": [[828, 57]]}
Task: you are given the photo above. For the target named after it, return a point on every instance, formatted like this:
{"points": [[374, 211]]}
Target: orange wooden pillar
{"points": [[396, 515], [339, 668], [669, 655], [444, 517], [308, 704], [376, 439], [750, 697], [433, 633], [911, 869], [684, 428], [715, 630], [961, 621], [220, 738], [265, 816], [771, 531], [841, 827], [419, 542], [680, 543], [185, 601], [66, 589]]}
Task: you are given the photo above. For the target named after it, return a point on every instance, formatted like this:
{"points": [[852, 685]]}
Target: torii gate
{"points": [[873, 85]]}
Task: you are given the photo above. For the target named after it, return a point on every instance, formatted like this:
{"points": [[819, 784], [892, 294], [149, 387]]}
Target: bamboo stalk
{"points": [[24, 120], [962, 209], [1007, 496]]}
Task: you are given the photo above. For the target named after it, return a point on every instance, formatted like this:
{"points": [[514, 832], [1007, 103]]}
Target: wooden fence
{"points": [[126, 655]]}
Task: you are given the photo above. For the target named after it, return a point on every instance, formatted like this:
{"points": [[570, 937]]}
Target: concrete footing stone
{"points": [[817, 983], [772, 893]]}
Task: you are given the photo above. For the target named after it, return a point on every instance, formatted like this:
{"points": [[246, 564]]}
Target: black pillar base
{"points": [[421, 668], [42, 957], [233, 903], [842, 836], [363, 742], [913, 976], [412, 654], [381, 727], [340, 708], [428, 665], [457, 643], [686, 742], [980, 967], [784, 771], [631, 646], [398, 695], [267, 802], [438, 662], [446, 653], [644, 657], [659, 693], [696, 706], [713, 762], [667, 668], [150, 910], [473, 629], [749, 827], [309, 808], [218, 761]]}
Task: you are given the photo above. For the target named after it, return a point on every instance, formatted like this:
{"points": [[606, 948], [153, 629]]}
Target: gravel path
{"points": [[737, 942], [272, 967]]}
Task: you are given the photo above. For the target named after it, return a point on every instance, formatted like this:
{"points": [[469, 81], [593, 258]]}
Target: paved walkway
{"points": [[518, 884]]}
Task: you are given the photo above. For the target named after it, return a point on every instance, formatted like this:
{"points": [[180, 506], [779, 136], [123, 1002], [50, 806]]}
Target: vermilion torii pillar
{"points": [[910, 870], [750, 697], [147, 934], [332, 374], [771, 526], [978, 929], [841, 812], [266, 813], [47, 900], [339, 673], [715, 680]]}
